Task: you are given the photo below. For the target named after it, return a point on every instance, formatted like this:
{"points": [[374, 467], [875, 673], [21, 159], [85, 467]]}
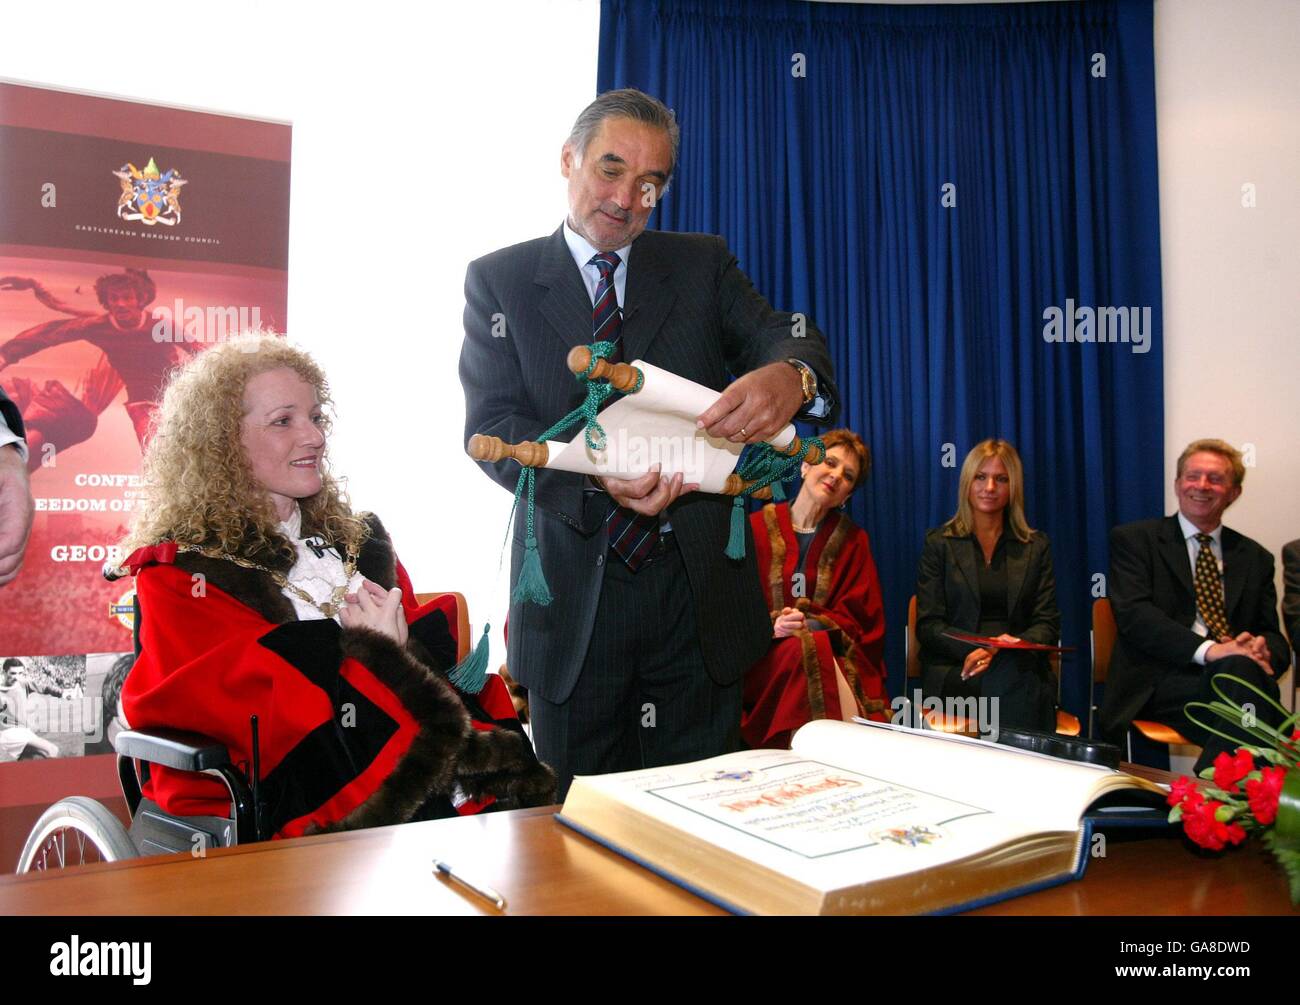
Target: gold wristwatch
{"points": [[807, 378]]}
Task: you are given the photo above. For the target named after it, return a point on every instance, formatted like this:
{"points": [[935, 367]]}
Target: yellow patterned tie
{"points": [[1209, 591]]}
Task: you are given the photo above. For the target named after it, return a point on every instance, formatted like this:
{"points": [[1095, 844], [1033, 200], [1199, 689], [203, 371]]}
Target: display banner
{"points": [[132, 235]]}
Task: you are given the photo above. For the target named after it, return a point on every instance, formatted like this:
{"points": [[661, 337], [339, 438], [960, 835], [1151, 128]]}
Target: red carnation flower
{"points": [[1202, 824], [1263, 794], [1200, 827], [1183, 788], [1229, 769]]}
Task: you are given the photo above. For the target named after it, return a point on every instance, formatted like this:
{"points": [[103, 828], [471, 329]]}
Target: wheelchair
{"points": [[79, 830]]}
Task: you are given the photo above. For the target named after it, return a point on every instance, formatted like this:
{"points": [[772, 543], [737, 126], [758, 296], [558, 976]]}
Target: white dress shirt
{"points": [[8, 436], [582, 251]]}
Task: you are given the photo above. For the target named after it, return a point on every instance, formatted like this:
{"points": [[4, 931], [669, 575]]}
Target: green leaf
{"points": [[1289, 859]]}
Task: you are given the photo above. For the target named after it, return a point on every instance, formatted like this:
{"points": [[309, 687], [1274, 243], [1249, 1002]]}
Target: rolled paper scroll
{"points": [[652, 424], [656, 425]]}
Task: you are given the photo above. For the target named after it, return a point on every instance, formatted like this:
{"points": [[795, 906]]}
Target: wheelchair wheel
{"points": [[75, 831]]}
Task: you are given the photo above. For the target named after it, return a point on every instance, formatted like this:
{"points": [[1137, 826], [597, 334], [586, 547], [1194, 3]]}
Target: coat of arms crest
{"points": [[150, 196]]}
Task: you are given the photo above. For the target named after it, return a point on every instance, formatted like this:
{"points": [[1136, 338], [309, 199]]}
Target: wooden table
{"points": [[543, 868]]}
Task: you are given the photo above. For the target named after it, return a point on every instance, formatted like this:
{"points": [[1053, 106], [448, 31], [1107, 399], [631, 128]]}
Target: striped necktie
{"points": [[631, 535], [1209, 591]]}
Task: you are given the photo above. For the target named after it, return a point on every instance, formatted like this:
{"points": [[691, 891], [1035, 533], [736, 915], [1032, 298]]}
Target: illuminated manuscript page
{"points": [[908, 802]]}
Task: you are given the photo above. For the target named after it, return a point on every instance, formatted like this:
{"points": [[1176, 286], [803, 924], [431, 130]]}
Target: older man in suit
{"points": [[16, 506], [1192, 599], [1291, 592], [638, 660]]}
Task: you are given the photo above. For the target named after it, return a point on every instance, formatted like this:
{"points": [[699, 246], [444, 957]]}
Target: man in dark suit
{"points": [[1291, 592], [1192, 599], [15, 495], [639, 657]]}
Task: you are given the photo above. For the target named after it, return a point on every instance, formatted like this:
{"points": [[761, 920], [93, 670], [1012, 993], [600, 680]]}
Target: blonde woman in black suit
{"points": [[987, 572]]}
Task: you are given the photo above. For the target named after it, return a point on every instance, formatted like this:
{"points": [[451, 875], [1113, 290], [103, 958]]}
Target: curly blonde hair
{"points": [[199, 488]]}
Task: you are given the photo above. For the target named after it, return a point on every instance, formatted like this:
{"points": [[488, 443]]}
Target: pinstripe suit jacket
{"points": [[690, 310]]}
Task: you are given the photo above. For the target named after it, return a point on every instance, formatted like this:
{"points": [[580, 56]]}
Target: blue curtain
{"points": [[926, 182]]}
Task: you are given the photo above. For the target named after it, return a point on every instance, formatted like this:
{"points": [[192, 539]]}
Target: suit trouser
{"points": [[1021, 683], [643, 697], [1192, 683]]}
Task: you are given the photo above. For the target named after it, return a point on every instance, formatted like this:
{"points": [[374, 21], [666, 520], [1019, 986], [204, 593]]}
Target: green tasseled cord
{"points": [[531, 587], [470, 674], [736, 539], [764, 465]]}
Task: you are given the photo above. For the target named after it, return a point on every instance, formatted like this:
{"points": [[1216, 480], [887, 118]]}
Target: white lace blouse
{"points": [[318, 575]]}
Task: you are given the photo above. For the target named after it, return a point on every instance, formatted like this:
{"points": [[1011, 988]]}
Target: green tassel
{"points": [[736, 540], [778, 491], [531, 586], [470, 674]]}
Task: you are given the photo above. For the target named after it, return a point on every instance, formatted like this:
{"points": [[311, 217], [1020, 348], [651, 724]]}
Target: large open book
{"points": [[855, 819]]}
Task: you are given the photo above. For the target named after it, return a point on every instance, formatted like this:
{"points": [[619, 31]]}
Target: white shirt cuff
{"points": [[7, 437], [1201, 650]]}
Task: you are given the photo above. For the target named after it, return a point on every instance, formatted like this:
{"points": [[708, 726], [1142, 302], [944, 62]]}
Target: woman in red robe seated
{"points": [[828, 622], [262, 593]]}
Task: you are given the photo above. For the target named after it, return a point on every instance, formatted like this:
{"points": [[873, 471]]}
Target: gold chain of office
{"points": [[329, 608]]}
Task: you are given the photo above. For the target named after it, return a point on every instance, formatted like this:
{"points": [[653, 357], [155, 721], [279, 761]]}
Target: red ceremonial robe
{"points": [[354, 730], [795, 682]]}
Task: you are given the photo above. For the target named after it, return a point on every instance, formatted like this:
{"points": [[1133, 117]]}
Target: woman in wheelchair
{"points": [[262, 593]]}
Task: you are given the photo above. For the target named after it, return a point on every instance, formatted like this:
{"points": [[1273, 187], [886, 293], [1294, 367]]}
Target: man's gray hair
{"points": [[627, 103]]}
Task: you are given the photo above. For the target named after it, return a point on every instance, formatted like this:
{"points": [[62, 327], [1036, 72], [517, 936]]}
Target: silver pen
{"points": [[486, 892]]}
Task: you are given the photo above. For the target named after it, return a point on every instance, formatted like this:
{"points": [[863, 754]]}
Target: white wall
{"points": [[451, 116], [1228, 114]]}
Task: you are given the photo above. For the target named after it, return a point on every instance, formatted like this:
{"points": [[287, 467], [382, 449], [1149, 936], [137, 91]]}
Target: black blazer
{"points": [[1151, 594], [688, 309], [9, 411], [948, 597], [1291, 592]]}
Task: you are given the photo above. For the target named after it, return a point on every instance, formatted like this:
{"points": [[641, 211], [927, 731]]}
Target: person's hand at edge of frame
{"points": [[16, 512]]}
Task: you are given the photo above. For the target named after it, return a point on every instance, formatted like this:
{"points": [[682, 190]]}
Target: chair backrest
{"points": [[459, 624], [912, 646], [1104, 631]]}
